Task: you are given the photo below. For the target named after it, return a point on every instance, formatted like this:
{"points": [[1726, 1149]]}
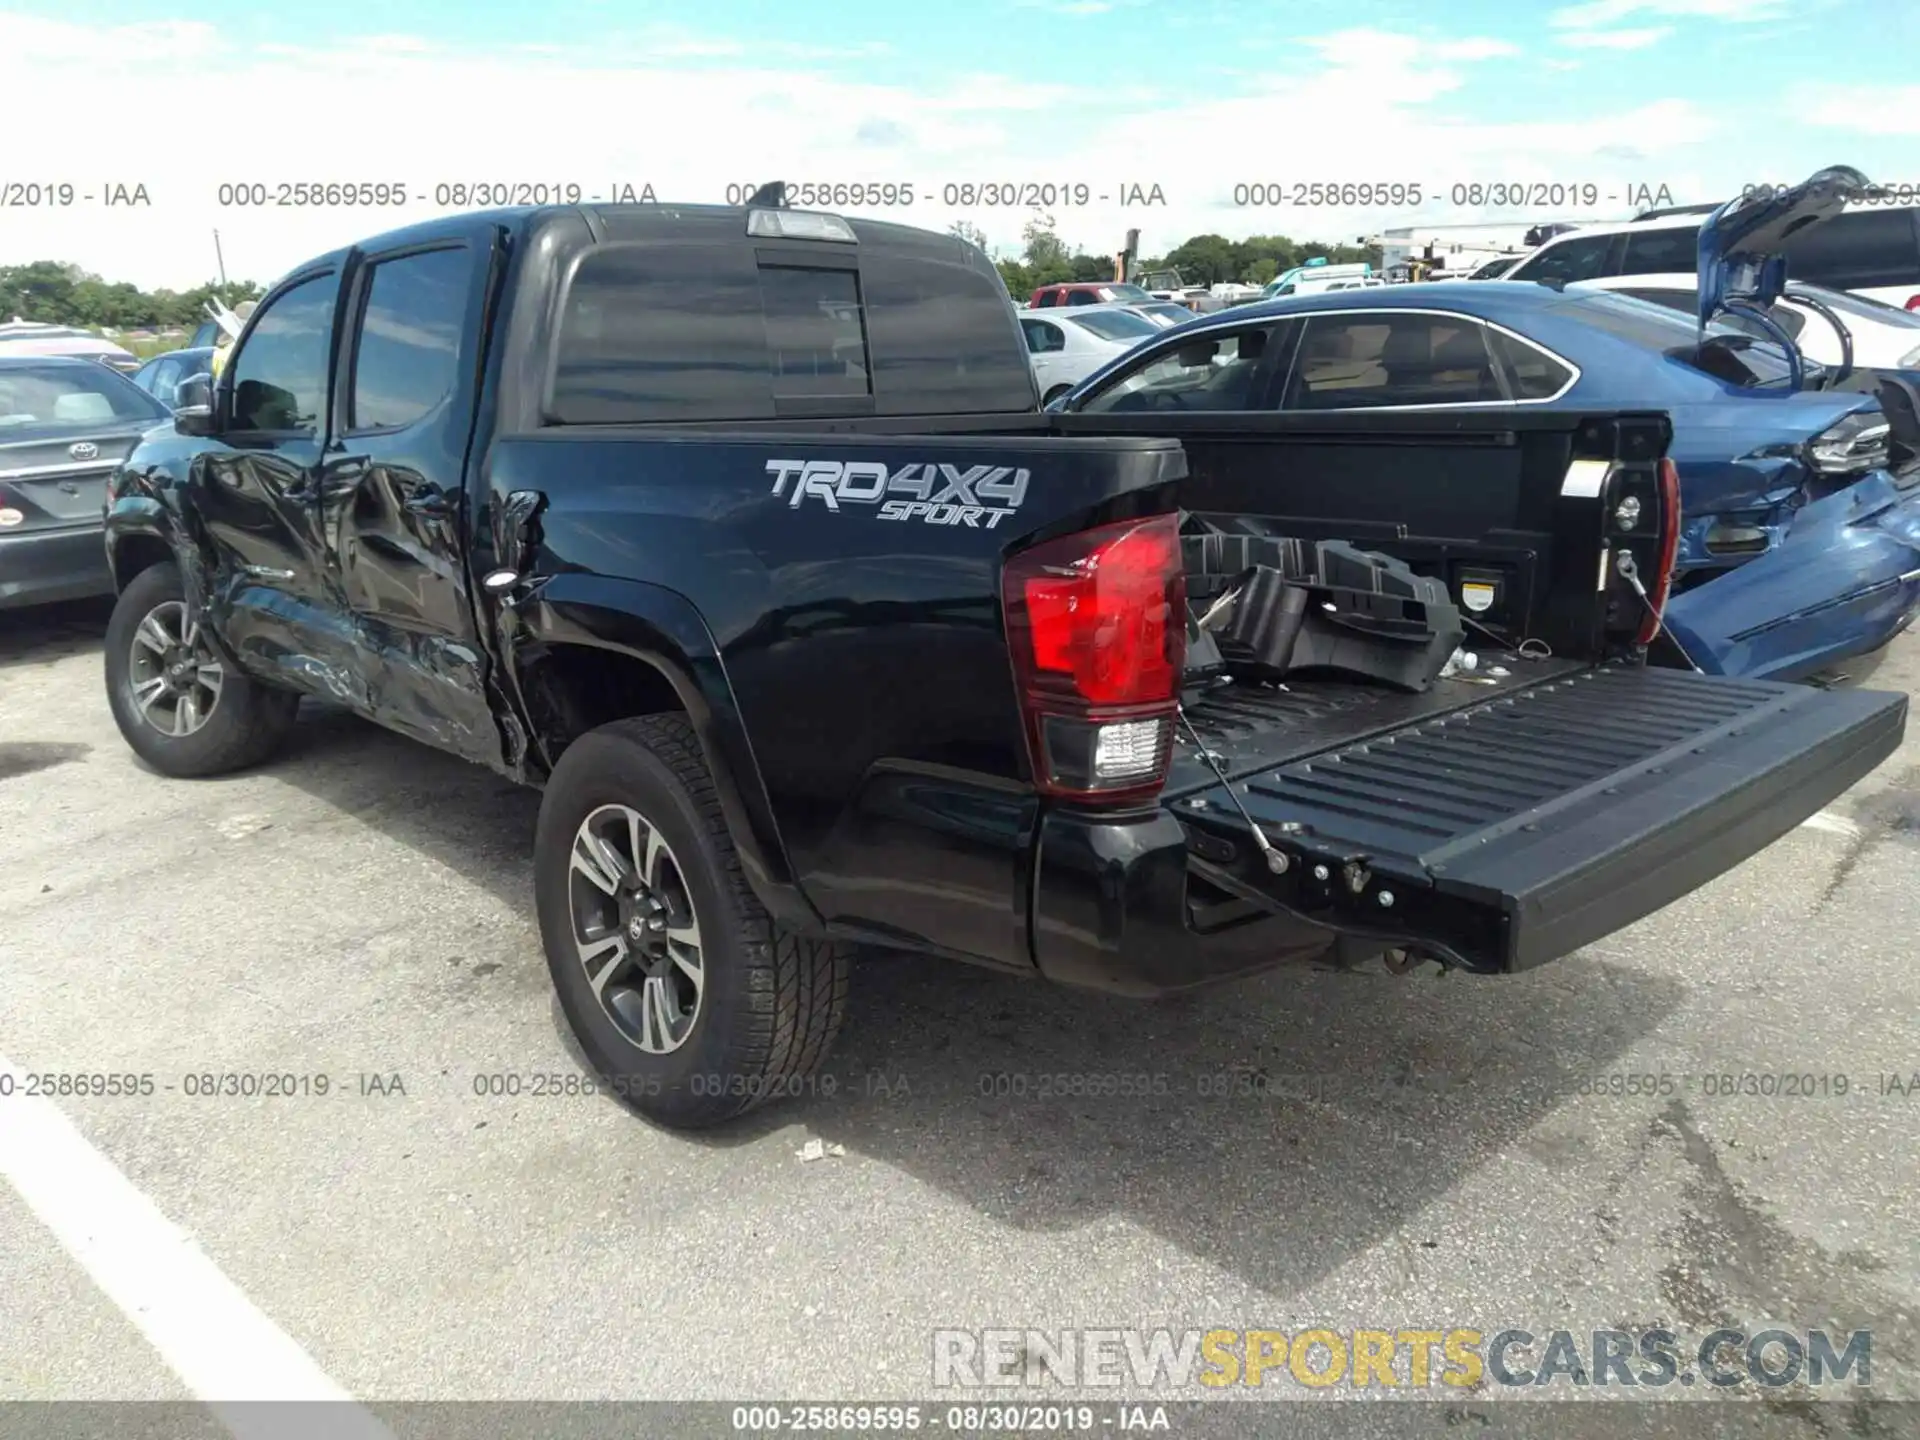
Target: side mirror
{"points": [[1195, 357], [193, 405]]}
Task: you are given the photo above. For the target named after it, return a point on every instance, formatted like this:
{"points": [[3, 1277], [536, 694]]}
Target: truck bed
{"points": [[1251, 727]]}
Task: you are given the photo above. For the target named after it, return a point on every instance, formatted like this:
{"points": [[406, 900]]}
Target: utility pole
{"points": [[217, 255]]}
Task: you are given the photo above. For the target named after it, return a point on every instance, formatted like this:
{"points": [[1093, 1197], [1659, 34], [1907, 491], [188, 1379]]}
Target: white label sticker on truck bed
{"points": [[1585, 478], [977, 496]]}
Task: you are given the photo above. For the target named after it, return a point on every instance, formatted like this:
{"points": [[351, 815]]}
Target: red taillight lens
{"points": [[1097, 627], [1913, 302], [1662, 582]]}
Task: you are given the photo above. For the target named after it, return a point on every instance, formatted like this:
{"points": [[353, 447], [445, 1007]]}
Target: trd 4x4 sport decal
{"points": [[980, 496]]}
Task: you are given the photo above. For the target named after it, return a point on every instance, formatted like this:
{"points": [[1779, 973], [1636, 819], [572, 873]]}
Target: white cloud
{"points": [[1863, 109], [691, 115], [1596, 13], [1617, 39], [1475, 49]]}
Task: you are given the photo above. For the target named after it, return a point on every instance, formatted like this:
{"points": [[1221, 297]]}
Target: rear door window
{"points": [[1581, 257], [1531, 372], [1043, 336], [1369, 360], [1210, 373], [408, 352], [1674, 250]]}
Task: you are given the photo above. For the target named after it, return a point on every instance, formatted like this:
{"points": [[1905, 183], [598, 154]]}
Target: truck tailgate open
{"points": [[1507, 833]]}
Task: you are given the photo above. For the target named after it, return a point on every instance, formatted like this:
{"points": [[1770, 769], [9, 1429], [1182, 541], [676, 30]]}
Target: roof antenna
{"points": [[771, 196]]}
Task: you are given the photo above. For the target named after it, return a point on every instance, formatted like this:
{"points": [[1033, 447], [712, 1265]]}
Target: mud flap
{"points": [[1510, 833]]}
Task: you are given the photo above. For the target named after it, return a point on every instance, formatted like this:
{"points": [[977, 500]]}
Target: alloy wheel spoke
{"points": [[650, 867], [690, 966], [210, 676], [603, 959], [186, 715], [592, 859], [153, 633], [146, 692], [655, 1017]]}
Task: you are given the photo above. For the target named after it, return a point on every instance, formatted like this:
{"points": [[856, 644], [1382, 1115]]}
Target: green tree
{"points": [[59, 294], [971, 233]]}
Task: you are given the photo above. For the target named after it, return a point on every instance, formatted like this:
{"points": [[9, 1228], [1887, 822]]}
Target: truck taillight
{"points": [[1913, 302], [1662, 582], [1096, 624]]}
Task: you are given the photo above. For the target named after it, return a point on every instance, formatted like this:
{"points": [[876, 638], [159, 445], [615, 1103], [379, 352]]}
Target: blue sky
{"points": [[1192, 95]]}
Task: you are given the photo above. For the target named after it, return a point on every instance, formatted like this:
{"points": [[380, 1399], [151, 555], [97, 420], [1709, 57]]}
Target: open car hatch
{"points": [[1742, 260]]}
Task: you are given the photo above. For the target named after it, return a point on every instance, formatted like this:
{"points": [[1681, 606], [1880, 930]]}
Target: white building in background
{"points": [[1459, 250]]}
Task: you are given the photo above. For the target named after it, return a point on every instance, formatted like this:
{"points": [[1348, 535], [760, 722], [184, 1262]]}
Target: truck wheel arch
{"points": [[591, 650]]}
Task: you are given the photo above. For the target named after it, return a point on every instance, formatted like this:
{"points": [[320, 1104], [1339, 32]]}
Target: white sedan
{"points": [[1884, 336], [1067, 345]]}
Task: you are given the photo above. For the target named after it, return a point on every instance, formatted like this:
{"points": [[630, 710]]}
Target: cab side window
{"points": [[407, 355], [280, 373]]}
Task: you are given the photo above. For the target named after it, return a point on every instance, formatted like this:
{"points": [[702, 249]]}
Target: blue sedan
{"points": [[1800, 546]]}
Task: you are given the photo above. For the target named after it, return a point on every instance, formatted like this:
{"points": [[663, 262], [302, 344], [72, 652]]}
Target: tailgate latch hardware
{"points": [[1385, 898], [1356, 876], [1276, 860]]}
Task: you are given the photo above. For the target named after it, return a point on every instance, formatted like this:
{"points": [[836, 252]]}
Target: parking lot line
{"points": [[223, 1348]]}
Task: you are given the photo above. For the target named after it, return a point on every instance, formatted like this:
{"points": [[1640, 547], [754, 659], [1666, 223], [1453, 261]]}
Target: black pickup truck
{"points": [[741, 533]]}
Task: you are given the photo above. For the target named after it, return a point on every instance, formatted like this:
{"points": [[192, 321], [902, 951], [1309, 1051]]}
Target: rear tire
{"points": [[686, 998], [179, 703]]}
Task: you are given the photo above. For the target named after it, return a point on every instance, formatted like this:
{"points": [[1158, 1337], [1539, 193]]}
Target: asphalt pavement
{"points": [[453, 1219]]}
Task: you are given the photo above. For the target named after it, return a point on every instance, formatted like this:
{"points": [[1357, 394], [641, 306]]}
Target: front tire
{"points": [[686, 998], [179, 704]]}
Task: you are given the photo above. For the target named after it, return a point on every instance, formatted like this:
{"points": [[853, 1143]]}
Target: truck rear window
{"points": [[677, 332]]}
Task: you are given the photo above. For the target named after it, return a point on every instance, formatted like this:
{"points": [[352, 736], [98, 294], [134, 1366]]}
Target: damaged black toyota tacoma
{"points": [[741, 533]]}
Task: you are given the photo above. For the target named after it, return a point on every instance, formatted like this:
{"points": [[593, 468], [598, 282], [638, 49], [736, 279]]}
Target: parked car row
{"points": [[1798, 463]]}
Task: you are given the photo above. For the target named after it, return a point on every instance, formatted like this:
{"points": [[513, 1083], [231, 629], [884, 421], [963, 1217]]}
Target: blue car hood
{"points": [[1742, 262]]}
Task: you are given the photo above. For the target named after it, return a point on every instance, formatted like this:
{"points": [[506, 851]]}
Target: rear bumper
{"points": [[1843, 582], [1498, 838], [44, 566]]}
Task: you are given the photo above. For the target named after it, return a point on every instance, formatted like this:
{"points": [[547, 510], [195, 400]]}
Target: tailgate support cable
{"points": [[1630, 572], [1276, 860]]}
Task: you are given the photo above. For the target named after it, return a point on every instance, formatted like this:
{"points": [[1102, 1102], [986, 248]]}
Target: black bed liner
{"points": [[1508, 831]]}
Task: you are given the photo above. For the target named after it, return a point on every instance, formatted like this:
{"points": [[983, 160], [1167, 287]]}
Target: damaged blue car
{"points": [[1800, 483]]}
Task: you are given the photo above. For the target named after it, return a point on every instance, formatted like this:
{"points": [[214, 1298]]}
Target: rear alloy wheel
{"points": [[635, 929], [687, 999], [177, 697]]}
